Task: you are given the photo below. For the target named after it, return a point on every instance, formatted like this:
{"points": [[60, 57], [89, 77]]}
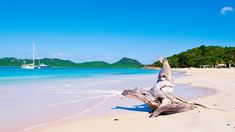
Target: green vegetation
{"points": [[123, 63], [127, 63], [99, 64], [10, 62], [58, 62], [203, 55]]}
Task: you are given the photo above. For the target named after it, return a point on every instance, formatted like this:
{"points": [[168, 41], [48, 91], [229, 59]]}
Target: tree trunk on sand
{"points": [[175, 105]]}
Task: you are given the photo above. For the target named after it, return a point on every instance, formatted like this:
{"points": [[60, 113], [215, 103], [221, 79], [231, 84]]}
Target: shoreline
{"points": [[116, 111], [29, 104], [200, 119], [18, 76], [71, 97]]}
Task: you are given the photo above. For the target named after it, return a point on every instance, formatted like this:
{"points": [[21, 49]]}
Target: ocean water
{"points": [[36, 98], [17, 74], [32, 98]]}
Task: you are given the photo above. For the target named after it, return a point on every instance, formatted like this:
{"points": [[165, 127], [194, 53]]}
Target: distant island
{"points": [[55, 62], [203, 56], [207, 56]]}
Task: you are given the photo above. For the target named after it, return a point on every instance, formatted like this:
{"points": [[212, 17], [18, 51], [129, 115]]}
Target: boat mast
{"points": [[33, 53]]}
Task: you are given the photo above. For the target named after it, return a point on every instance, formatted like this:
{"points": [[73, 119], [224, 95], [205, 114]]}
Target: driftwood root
{"points": [[176, 104]]}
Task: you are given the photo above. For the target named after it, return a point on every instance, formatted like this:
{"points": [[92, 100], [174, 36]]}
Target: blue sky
{"points": [[86, 30]]}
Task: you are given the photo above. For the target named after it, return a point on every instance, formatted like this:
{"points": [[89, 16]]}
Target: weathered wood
{"points": [[159, 98], [175, 105], [143, 96]]}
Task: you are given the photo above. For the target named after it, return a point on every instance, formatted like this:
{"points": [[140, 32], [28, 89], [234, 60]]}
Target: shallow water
{"points": [[29, 104], [30, 97], [9, 75]]}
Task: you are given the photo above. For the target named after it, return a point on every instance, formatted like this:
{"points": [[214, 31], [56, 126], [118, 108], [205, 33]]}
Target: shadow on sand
{"points": [[139, 108]]}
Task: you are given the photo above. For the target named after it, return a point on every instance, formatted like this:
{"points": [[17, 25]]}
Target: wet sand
{"points": [[135, 118]]}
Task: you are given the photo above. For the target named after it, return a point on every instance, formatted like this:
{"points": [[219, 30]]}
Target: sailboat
{"points": [[43, 66], [33, 65]]}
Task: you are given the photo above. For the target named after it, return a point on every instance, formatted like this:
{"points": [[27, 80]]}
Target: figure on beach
{"points": [[164, 83], [160, 98]]}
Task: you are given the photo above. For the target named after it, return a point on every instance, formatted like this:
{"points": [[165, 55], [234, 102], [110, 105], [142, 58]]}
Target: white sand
{"points": [[199, 120]]}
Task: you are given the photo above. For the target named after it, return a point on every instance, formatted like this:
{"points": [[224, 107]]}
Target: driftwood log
{"points": [[176, 104]]}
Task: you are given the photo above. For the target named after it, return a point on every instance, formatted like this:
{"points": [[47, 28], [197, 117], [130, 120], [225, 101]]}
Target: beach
{"points": [[86, 65], [220, 118]]}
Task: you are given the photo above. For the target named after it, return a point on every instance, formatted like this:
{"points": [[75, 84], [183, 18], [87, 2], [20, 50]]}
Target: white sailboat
{"points": [[32, 65]]}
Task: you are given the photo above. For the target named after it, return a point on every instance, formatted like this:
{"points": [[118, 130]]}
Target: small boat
{"points": [[28, 66], [32, 65], [43, 66]]}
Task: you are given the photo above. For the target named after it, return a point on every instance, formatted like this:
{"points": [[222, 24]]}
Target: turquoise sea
{"points": [[35, 98], [32, 98], [17, 74]]}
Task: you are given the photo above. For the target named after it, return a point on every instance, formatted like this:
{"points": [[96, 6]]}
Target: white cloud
{"points": [[225, 10]]}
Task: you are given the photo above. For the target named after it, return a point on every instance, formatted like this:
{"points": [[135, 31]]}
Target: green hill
{"points": [[203, 55], [127, 62], [94, 64], [123, 63], [10, 62], [58, 62], [54, 62]]}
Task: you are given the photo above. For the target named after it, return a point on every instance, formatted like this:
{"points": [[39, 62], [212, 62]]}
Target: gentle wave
{"points": [[109, 94], [17, 74], [67, 117]]}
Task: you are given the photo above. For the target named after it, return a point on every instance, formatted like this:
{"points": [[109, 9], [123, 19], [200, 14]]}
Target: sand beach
{"points": [[199, 120], [86, 65]]}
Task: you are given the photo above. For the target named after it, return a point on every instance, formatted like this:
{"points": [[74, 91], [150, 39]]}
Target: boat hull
{"points": [[28, 67]]}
